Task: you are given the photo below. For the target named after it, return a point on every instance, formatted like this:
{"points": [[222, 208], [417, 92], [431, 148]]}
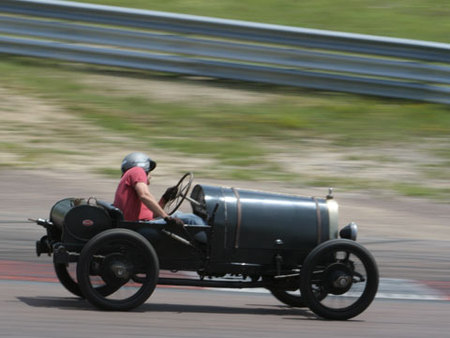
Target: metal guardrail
{"points": [[229, 49]]}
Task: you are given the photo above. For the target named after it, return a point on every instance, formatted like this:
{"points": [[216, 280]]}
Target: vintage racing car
{"points": [[287, 244]]}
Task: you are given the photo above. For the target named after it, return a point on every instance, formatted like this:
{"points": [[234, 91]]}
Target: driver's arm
{"points": [[149, 200], [162, 202]]}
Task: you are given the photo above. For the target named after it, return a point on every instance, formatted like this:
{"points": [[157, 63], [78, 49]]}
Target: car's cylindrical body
{"points": [[250, 232], [253, 225]]}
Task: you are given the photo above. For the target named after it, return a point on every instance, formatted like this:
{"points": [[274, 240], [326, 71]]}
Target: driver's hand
{"points": [[170, 194], [174, 222]]}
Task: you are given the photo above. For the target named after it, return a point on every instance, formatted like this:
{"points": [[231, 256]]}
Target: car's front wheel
{"points": [[344, 271], [291, 298]]}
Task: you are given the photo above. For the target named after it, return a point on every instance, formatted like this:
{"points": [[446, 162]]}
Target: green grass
{"points": [[110, 172], [414, 190], [242, 139], [412, 19]]}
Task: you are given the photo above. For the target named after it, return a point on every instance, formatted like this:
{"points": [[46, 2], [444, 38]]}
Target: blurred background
{"points": [[81, 119]]}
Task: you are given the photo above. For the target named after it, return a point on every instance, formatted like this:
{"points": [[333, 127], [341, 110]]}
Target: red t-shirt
{"points": [[126, 198]]}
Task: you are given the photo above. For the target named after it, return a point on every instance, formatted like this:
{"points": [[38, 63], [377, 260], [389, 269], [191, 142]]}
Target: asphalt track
{"points": [[409, 239]]}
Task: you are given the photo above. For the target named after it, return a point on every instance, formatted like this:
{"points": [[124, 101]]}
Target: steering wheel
{"points": [[183, 186]]}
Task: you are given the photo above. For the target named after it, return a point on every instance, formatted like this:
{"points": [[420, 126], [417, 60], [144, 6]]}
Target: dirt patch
{"points": [[196, 93], [383, 164], [36, 134]]}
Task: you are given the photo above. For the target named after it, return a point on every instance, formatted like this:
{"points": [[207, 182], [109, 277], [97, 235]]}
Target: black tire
{"points": [[337, 268], [71, 285], [66, 279], [291, 298], [122, 260]]}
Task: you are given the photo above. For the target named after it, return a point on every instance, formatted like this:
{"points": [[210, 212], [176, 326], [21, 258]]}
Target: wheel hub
{"points": [[338, 278], [120, 270], [116, 268]]}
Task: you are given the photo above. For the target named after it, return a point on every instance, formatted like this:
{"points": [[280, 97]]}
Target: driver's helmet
{"points": [[138, 160]]}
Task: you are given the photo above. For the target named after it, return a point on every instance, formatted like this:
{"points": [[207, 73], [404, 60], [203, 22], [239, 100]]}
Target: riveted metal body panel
{"points": [[252, 226]]}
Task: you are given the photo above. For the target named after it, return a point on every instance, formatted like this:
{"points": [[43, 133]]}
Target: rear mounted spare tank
{"points": [[79, 220]]}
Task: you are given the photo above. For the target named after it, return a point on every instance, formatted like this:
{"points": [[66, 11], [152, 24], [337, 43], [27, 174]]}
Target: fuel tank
{"points": [[263, 220], [79, 220]]}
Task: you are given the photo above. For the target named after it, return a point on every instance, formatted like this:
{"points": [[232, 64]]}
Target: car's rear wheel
{"points": [[66, 274], [66, 279], [344, 271], [122, 261]]}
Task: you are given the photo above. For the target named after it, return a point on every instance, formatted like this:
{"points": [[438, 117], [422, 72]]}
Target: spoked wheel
{"points": [[122, 262], [183, 186], [343, 270]]}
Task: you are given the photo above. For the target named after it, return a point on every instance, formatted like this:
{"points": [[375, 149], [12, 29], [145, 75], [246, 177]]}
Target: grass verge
{"points": [[278, 133]]}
